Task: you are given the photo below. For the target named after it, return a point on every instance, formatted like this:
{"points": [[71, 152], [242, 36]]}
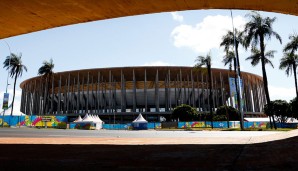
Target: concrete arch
{"points": [[21, 17]]}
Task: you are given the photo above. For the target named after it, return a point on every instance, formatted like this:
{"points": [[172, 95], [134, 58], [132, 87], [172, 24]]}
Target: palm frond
{"points": [[229, 58], [259, 27], [292, 46], [46, 68], [287, 62], [13, 64]]}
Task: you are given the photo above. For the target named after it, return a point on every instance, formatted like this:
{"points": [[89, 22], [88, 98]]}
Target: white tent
{"points": [[97, 119], [79, 119], [292, 120], [140, 123], [140, 119], [87, 118], [94, 120], [92, 117], [98, 122]]}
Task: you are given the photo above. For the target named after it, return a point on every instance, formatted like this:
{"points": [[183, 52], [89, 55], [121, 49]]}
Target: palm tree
{"points": [[291, 59], [230, 59], [229, 42], [289, 63], [47, 71], [255, 58], [14, 64], [206, 61], [292, 46], [257, 29]]}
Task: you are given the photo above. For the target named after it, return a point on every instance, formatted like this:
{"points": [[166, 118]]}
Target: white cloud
{"points": [[281, 93], [205, 35], [17, 101], [157, 63], [177, 17]]}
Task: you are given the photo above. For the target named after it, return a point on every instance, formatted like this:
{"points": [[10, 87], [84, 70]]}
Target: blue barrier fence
{"points": [[221, 124], [287, 125], [151, 125], [34, 120]]}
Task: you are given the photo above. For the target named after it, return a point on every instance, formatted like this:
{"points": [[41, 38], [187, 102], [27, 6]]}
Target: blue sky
{"points": [[175, 38]]}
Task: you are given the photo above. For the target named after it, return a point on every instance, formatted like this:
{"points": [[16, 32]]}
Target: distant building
{"points": [[124, 91]]}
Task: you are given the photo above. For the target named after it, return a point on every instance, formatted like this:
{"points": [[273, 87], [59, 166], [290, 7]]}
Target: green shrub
{"points": [[185, 113], [219, 118], [62, 125], [229, 112]]}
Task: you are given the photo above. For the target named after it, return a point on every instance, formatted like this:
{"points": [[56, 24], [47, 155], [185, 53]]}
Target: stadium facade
{"points": [[131, 90]]}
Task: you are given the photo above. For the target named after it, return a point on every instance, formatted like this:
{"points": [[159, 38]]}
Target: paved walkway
{"points": [[269, 152], [150, 141]]}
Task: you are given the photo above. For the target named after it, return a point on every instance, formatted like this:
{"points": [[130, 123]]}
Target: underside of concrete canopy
{"points": [[24, 16]]}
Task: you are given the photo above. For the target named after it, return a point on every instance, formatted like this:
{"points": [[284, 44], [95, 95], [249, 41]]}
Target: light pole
{"points": [[238, 79], [6, 81], [114, 118]]}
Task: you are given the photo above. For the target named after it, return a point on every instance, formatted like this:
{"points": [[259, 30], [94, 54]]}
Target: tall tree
{"points": [[231, 42], [257, 30], [206, 61], [294, 107], [255, 58], [228, 42], [289, 63], [290, 59], [292, 46], [14, 65], [229, 59], [47, 71]]}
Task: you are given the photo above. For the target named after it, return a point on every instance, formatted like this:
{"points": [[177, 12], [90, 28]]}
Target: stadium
{"points": [[124, 92]]}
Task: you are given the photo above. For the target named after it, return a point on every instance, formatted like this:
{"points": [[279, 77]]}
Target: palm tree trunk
{"points": [[295, 77], [238, 62], [270, 121], [45, 91], [238, 95], [14, 93], [210, 94], [262, 47], [47, 94], [228, 117]]}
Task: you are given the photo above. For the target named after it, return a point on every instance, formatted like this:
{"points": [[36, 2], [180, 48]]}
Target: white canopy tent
{"points": [[88, 118], [93, 119], [140, 119], [140, 123], [79, 119]]}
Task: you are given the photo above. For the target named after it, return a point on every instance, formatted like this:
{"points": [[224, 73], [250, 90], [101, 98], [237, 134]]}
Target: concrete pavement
{"points": [[277, 151], [220, 137]]}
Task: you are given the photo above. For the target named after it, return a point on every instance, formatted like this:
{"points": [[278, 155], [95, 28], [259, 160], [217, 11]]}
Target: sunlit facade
{"points": [[131, 90]]}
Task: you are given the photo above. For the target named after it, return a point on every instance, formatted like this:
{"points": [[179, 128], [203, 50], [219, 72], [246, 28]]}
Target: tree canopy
{"points": [[15, 66], [279, 108], [184, 113], [229, 112]]}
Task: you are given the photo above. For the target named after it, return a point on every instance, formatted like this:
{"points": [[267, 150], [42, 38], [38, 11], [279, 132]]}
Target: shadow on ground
{"points": [[276, 155]]}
